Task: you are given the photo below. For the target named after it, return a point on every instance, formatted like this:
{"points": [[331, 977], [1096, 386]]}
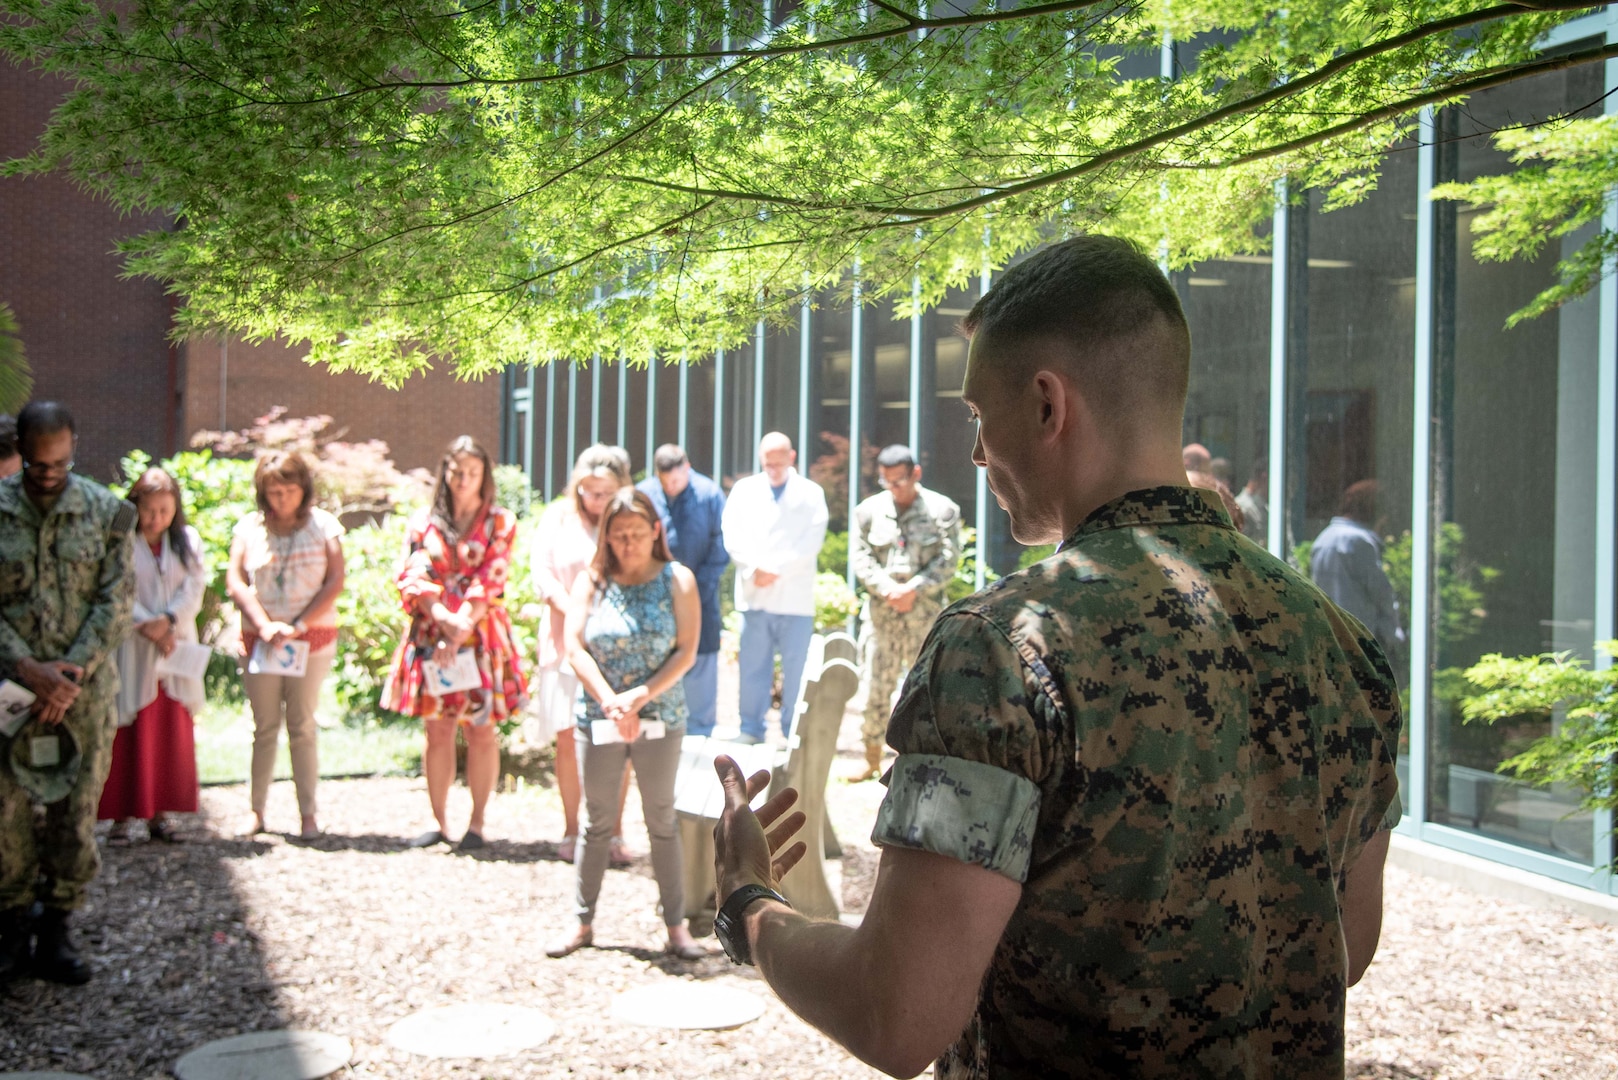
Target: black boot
{"points": [[56, 957], [16, 936]]}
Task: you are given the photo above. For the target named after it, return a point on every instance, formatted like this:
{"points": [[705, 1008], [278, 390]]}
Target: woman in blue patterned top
{"points": [[632, 632]]}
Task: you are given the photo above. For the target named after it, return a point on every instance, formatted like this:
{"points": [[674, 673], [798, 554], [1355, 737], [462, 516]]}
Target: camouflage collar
{"points": [[1155, 506], [14, 500]]}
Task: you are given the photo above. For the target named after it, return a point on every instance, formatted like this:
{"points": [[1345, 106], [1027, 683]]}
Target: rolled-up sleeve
{"points": [[972, 729]]}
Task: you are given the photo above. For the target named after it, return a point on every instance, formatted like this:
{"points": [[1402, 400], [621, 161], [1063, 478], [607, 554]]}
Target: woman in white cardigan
{"points": [[154, 760]]}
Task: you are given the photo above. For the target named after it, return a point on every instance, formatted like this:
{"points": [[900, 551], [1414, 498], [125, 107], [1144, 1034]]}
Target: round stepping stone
{"points": [[680, 1003], [267, 1055], [471, 1031]]}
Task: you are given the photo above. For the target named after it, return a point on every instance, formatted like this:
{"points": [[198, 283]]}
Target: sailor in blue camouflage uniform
{"points": [[1139, 817], [66, 594]]}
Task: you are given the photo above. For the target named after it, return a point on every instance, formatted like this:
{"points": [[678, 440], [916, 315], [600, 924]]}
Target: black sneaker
{"points": [[56, 956]]}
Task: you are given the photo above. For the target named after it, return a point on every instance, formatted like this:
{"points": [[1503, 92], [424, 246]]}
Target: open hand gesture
{"points": [[743, 853]]}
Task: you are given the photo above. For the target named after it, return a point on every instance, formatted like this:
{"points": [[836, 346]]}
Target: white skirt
{"points": [[550, 705]]}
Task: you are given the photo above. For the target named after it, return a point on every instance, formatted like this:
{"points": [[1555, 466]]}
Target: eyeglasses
{"points": [[35, 468]]}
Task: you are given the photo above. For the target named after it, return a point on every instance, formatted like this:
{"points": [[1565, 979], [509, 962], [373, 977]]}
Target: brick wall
{"points": [[99, 343], [416, 421], [95, 342]]}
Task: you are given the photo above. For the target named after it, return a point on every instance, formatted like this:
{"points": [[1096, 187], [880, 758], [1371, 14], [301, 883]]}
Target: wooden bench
{"points": [[829, 683]]}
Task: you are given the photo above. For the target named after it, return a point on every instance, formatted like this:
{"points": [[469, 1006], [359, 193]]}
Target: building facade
{"points": [[1370, 346], [100, 343]]}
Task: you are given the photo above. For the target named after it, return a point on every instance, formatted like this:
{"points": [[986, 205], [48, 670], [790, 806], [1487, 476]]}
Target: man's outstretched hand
{"points": [[743, 853]]}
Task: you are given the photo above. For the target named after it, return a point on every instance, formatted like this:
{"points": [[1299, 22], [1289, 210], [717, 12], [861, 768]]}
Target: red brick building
{"points": [[99, 343]]}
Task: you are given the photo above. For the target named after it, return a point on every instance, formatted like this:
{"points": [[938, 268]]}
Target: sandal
{"points": [[618, 855], [692, 951], [566, 849], [160, 830], [581, 938]]}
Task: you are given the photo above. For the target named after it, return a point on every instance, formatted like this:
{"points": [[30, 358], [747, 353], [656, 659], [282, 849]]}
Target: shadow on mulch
{"points": [[1382, 1070], [175, 967]]}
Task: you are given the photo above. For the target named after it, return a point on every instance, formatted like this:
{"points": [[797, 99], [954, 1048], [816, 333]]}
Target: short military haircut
{"points": [[8, 436], [41, 418], [669, 457], [1112, 309], [896, 454]]}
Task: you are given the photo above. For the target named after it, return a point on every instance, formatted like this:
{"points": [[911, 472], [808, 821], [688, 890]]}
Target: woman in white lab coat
{"points": [[154, 761]]}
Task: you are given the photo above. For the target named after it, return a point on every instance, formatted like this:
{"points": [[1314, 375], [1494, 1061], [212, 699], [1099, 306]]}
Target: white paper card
{"points": [[15, 701], [290, 658], [44, 751], [604, 733], [697, 790], [188, 660], [463, 674], [653, 729]]}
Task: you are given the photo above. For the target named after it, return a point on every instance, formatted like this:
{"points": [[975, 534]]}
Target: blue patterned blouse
{"points": [[630, 633]]}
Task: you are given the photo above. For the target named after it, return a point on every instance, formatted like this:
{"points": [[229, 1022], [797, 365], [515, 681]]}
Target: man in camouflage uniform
{"points": [[66, 590], [904, 549], [1139, 817]]}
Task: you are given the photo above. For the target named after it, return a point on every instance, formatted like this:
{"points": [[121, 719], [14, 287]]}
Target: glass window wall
{"points": [[1514, 477]]}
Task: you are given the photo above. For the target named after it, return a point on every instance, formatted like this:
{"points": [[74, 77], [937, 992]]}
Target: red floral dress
{"points": [[435, 570]]}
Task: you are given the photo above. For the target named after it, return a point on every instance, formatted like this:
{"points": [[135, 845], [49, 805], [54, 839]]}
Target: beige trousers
{"points": [[271, 697]]}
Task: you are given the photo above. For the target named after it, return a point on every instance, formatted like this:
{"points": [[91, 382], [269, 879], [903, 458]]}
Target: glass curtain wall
{"points": [[1514, 482], [1227, 306], [825, 459], [782, 351], [946, 427], [887, 381]]}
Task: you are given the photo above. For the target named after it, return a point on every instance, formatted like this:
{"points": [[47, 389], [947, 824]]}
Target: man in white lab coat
{"points": [[773, 527]]}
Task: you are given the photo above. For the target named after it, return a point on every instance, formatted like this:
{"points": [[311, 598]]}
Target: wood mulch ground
{"points": [[219, 935]]}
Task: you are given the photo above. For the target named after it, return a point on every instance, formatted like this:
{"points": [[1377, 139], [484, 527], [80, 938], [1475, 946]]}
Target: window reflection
{"points": [[1515, 462]]}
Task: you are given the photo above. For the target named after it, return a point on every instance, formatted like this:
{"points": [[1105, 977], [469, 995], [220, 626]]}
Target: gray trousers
{"points": [[601, 773]]}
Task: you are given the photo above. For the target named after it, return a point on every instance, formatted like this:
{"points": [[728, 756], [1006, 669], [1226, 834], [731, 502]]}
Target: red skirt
{"points": [[154, 764]]}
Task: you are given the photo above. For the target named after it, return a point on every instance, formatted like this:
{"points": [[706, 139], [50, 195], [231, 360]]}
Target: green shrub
{"points": [[964, 583], [834, 554], [835, 602], [512, 491], [1581, 750]]}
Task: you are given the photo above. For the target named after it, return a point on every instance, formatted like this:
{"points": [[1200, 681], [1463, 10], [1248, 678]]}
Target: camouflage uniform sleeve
{"points": [[13, 650], [942, 566], [110, 617], [867, 571], [1382, 693], [972, 730]]}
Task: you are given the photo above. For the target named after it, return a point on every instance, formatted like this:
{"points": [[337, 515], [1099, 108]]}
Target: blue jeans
{"points": [[764, 634], [702, 694]]}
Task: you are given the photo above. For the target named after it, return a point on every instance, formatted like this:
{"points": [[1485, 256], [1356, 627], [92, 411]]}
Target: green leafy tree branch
{"points": [[500, 183]]}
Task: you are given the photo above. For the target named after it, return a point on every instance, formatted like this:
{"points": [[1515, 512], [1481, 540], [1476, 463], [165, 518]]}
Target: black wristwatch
{"points": [[728, 923]]}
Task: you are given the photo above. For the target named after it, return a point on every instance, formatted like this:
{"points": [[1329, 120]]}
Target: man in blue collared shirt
{"points": [[1346, 562], [691, 506]]}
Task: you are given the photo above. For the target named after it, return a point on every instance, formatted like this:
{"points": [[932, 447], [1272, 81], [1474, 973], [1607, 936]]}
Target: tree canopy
{"points": [[505, 182]]}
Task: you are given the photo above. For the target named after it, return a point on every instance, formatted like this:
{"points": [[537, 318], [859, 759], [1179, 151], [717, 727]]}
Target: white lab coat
{"points": [[162, 584], [777, 537]]}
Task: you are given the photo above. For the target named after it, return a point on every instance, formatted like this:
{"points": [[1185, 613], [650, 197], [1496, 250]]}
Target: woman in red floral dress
{"points": [[452, 582]]}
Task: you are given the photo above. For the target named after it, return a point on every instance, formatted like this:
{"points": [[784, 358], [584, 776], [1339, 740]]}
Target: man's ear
{"points": [[1055, 404]]}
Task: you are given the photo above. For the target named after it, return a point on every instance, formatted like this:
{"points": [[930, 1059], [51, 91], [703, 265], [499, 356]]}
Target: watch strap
{"points": [[728, 925]]}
